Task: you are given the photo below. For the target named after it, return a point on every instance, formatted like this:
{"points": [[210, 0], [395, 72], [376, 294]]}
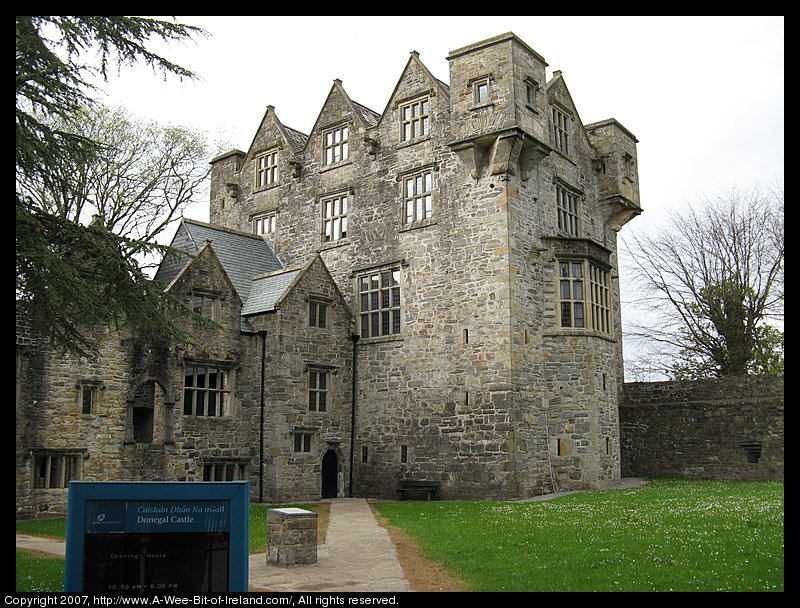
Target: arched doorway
{"points": [[330, 475]]}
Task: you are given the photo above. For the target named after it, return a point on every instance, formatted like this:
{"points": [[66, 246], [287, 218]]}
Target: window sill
{"points": [[265, 188], [411, 142], [481, 106], [578, 333], [341, 163], [380, 339], [334, 244], [416, 225]]}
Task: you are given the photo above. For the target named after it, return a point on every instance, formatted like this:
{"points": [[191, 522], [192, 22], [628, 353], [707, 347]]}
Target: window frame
{"points": [[317, 313], [417, 124], [337, 150], [223, 393], [380, 302], [266, 169], [319, 389], [270, 220], [301, 442], [411, 215], [334, 210], [568, 208], [592, 306], [90, 389], [61, 473], [562, 130], [240, 469], [480, 85], [207, 304]]}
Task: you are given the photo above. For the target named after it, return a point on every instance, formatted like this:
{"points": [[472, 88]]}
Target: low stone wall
{"points": [[720, 428]]}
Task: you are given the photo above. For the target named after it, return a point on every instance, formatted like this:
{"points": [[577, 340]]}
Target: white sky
{"points": [[703, 95]]}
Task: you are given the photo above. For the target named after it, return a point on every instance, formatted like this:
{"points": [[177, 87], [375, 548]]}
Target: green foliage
{"points": [[72, 277], [671, 535]]}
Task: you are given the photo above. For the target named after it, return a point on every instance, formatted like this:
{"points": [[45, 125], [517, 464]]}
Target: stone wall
{"points": [[730, 428]]}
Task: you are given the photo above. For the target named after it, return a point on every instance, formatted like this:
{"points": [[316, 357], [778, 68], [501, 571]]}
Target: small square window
{"points": [[481, 91], [302, 442]]}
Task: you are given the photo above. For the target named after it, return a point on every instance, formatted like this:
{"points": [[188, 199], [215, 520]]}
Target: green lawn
{"points": [[671, 535]]}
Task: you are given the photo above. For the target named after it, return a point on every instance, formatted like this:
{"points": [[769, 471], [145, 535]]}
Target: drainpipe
{"points": [[354, 338], [263, 335]]}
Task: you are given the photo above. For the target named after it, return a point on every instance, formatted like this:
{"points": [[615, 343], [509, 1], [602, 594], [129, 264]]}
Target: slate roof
{"points": [[243, 256], [267, 291]]}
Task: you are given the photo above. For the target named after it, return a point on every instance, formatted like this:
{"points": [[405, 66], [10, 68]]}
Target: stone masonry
{"points": [[461, 247]]}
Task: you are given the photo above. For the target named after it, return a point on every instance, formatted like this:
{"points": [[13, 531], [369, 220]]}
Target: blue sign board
{"points": [[143, 537]]}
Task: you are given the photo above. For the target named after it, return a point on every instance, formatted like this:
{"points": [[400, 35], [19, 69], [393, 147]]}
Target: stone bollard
{"points": [[292, 536]]}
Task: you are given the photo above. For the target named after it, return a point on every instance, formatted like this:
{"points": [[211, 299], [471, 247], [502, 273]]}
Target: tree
{"points": [[71, 276], [711, 279], [136, 187]]}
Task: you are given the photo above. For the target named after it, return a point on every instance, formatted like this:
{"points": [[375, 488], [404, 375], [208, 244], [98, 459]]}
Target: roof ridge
{"points": [[222, 228]]}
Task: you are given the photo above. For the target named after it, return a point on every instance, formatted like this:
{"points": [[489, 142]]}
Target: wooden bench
{"points": [[429, 488]]}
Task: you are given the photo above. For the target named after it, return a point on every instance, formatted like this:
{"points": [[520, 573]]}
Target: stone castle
{"points": [[427, 293]]}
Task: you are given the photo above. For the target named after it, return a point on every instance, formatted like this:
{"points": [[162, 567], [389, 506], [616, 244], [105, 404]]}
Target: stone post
{"points": [[292, 536]]}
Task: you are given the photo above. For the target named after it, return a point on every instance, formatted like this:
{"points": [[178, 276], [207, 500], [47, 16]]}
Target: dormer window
{"points": [[561, 131], [206, 304], [415, 119], [336, 145], [266, 169]]}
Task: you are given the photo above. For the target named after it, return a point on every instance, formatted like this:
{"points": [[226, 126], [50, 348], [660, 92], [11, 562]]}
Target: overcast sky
{"points": [[703, 95]]}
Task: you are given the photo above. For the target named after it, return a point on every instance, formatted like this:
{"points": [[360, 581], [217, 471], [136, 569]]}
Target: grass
{"points": [[671, 535], [38, 573]]}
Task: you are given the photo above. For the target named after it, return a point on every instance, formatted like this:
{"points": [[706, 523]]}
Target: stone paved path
{"points": [[358, 556]]}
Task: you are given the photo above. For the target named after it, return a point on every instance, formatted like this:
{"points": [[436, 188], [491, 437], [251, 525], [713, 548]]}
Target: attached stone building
{"points": [[428, 293]]}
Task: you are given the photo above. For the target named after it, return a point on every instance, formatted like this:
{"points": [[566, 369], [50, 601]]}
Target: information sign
{"points": [[128, 537]]}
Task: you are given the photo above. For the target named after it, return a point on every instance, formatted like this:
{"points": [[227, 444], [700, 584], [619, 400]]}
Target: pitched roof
{"points": [[243, 256], [267, 291]]}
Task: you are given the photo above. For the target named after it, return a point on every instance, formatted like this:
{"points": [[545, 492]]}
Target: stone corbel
{"points": [[505, 154], [371, 145], [511, 152], [618, 211], [471, 154]]}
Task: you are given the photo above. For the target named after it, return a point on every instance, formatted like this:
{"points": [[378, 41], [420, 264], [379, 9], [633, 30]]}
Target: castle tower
{"points": [[471, 229]]}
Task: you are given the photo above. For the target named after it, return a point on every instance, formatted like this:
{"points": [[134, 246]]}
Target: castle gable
{"points": [[416, 81]]}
